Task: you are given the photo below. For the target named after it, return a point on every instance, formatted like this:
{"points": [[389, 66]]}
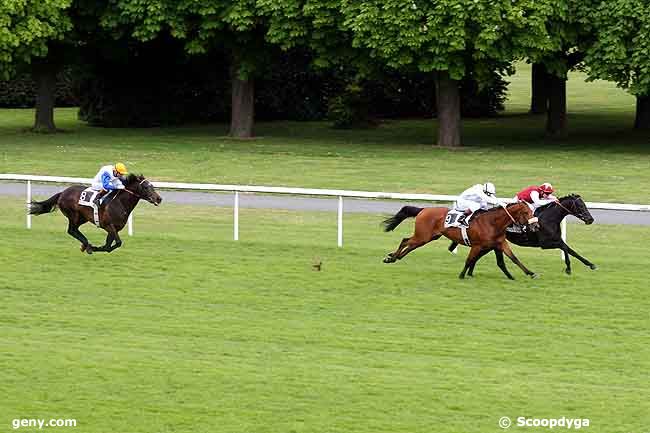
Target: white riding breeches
{"points": [[467, 204]]}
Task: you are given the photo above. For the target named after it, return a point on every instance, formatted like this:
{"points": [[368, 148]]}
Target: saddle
{"points": [[451, 220]]}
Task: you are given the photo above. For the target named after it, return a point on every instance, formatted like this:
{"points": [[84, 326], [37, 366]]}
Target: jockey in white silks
{"points": [[475, 198], [107, 179]]}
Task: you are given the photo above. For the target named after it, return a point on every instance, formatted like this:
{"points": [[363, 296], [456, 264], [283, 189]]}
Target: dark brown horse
{"points": [[113, 213], [486, 232]]}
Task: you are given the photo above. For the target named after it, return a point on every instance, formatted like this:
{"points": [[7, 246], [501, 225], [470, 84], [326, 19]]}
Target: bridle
{"points": [[575, 213], [133, 193]]}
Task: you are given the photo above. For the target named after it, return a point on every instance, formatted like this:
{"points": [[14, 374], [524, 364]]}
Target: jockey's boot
{"points": [[463, 218], [98, 197]]}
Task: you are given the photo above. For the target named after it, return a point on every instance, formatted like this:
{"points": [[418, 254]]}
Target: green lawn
{"points": [[184, 330], [604, 159]]}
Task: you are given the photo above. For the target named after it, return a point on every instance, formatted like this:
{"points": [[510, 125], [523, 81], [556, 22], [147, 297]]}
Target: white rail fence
{"points": [[236, 189]]}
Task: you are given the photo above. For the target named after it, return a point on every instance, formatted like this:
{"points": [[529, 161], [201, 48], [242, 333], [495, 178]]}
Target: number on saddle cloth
{"points": [[87, 196], [451, 220]]}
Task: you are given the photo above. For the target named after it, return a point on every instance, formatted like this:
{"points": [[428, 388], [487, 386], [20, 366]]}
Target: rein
{"points": [[564, 207], [134, 194], [580, 215], [530, 221], [508, 213]]}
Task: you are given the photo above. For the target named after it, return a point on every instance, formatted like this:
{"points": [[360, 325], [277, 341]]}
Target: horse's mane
{"points": [[571, 196], [132, 177]]}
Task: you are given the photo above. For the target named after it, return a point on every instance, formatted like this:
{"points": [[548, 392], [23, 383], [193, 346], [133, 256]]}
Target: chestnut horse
{"points": [[486, 232], [113, 213]]}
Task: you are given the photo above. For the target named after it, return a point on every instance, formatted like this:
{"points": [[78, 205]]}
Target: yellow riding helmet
{"points": [[121, 168]]}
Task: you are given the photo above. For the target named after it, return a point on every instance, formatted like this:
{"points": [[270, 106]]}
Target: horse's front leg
{"points": [[567, 260], [110, 237], [502, 264], [579, 257], [484, 251], [505, 247], [471, 259], [118, 242]]}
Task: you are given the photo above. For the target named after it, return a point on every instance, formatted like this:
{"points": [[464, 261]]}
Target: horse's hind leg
{"points": [[406, 246], [392, 257], [73, 230]]}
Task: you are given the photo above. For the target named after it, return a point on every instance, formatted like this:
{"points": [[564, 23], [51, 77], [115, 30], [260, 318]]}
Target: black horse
{"points": [[113, 213], [549, 234]]}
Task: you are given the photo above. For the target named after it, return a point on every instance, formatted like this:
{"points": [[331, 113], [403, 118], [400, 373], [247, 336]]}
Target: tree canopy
{"points": [[27, 27]]}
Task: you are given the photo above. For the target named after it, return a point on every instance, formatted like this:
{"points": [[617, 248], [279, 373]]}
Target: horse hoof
{"points": [[568, 271], [389, 260], [593, 267], [89, 249], [534, 276], [83, 248]]}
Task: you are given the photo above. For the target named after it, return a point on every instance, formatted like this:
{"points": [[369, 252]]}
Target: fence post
{"points": [[563, 235], [340, 222], [130, 224], [236, 217], [29, 200]]}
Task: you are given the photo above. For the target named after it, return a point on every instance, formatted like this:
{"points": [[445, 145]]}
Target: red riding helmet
{"points": [[546, 188]]}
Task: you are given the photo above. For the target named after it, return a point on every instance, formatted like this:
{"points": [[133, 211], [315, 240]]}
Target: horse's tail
{"points": [[41, 207], [395, 220]]}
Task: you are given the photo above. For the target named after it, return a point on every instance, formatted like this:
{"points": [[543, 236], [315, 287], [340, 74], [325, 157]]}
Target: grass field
{"points": [[184, 330], [604, 159]]}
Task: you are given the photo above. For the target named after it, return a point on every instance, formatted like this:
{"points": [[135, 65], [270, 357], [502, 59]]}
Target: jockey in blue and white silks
{"points": [[107, 179]]}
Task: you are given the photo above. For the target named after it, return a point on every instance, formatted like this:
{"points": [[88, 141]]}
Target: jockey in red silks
{"points": [[537, 196]]}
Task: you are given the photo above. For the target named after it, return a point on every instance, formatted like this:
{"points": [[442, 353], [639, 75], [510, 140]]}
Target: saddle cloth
{"points": [[86, 199], [451, 220]]}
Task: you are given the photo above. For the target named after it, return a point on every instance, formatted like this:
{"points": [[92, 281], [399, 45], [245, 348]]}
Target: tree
{"points": [[233, 26], [620, 50], [451, 39], [539, 89], [31, 32]]}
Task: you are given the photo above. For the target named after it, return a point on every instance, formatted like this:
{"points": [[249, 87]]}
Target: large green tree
{"points": [[620, 50], [451, 39], [230, 26], [32, 33]]}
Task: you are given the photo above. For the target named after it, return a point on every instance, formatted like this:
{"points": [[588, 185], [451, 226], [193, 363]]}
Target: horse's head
{"points": [[142, 188], [523, 215], [577, 207]]}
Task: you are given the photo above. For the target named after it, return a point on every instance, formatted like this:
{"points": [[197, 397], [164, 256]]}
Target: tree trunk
{"points": [[539, 89], [556, 120], [448, 107], [243, 104], [44, 75], [642, 119]]}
